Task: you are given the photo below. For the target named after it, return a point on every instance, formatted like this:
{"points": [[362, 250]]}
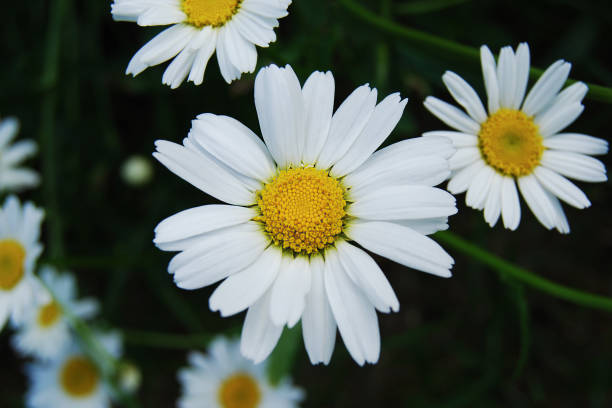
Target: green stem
{"points": [[429, 43], [522, 275]]}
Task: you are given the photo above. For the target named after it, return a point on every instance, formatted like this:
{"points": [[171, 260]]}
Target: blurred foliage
{"points": [[471, 341]]}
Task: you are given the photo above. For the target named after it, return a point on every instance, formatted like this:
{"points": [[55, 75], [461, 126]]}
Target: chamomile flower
{"points": [[225, 379], [295, 201], [199, 27], [72, 380], [45, 332], [518, 141], [19, 250], [13, 177]]}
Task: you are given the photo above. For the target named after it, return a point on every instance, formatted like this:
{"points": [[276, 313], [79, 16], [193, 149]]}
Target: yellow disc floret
{"points": [[79, 377], [239, 391], [12, 257], [302, 209], [49, 314], [510, 142], [214, 13]]}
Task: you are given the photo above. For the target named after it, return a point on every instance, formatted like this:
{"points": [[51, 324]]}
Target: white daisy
{"points": [[199, 27], [12, 177], [45, 332], [72, 380], [225, 379], [518, 141], [19, 249], [295, 202]]}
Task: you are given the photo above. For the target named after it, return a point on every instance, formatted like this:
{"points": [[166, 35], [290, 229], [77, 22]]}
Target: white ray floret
{"points": [[13, 177], [282, 245], [518, 142]]}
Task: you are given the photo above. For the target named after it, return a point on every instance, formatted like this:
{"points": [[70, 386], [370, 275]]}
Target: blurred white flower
{"points": [[13, 177], [137, 170]]}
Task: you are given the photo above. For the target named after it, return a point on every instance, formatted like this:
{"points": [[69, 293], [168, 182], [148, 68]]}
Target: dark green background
{"points": [[454, 343]]}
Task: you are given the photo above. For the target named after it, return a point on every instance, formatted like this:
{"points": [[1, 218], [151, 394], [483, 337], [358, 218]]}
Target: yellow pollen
{"points": [[201, 13], [12, 257], [239, 391], [79, 377], [510, 142], [49, 314], [302, 209]]}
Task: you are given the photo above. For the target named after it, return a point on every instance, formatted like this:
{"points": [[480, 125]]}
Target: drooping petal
{"points": [[259, 334], [511, 207], [289, 291], [561, 187], [537, 200]]}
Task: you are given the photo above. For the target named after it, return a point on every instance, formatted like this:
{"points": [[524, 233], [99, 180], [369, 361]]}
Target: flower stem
{"points": [[507, 269]]}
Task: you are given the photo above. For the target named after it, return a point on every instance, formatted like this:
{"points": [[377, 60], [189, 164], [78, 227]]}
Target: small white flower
{"points": [[199, 27], [19, 250], [45, 332], [518, 141], [295, 203], [225, 379], [12, 177], [71, 380]]}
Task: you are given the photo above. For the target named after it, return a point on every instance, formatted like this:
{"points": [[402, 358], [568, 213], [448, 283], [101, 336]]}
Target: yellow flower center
{"points": [[239, 391], [12, 257], [214, 13], [510, 142], [302, 209], [49, 314], [79, 377]]}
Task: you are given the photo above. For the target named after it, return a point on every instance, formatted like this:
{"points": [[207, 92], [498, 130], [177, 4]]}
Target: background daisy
{"points": [[225, 379], [295, 201], [45, 331], [199, 27], [13, 177], [518, 142]]}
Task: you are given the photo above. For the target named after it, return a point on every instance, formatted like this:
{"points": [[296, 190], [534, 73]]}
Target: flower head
{"points": [[518, 141], [296, 201], [13, 177], [199, 27]]}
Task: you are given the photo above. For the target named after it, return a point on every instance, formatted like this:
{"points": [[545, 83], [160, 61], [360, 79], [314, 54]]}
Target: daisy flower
{"points": [[45, 332], [12, 177], [199, 27], [518, 142], [71, 380], [225, 379], [294, 203], [19, 249]]}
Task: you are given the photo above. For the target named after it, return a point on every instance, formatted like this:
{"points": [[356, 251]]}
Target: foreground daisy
{"points": [[518, 141], [199, 27], [13, 177], [19, 249], [225, 379], [72, 380], [45, 332], [295, 202]]}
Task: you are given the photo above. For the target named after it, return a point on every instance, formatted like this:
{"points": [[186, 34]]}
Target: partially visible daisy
{"points": [[518, 141], [199, 27], [13, 177], [225, 379], [72, 380], [19, 250], [295, 203], [45, 332]]}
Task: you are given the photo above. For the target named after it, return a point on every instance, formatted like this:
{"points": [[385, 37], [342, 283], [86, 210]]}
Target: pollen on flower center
{"points": [[49, 314], [79, 377], [12, 256], [302, 209], [239, 391], [214, 13], [510, 142]]}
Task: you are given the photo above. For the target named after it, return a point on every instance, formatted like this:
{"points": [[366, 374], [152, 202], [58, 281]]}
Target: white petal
{"points": [[463, 178], [575, 165], [385, 117], [318, 94], [459, 139], [9, 127], [318, 323], [251, 29], [241, 52], [289, 291], [229, 71], [561, 187], [207, 40], [242, 289], [161, 16], [537, 200], [16, 179], [511, 207], [267, 8], [464, 157], [506, 75], [546, 88], [425, 226], [465, 96], [402, 245], [577, 143], [179, 68], [492, 207], [452, 116], [18, 152], [354, 314], [561, 223], [489, 74], [522, 74], [554, 121], [259, 334], [479, 189], [368, 276]]}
